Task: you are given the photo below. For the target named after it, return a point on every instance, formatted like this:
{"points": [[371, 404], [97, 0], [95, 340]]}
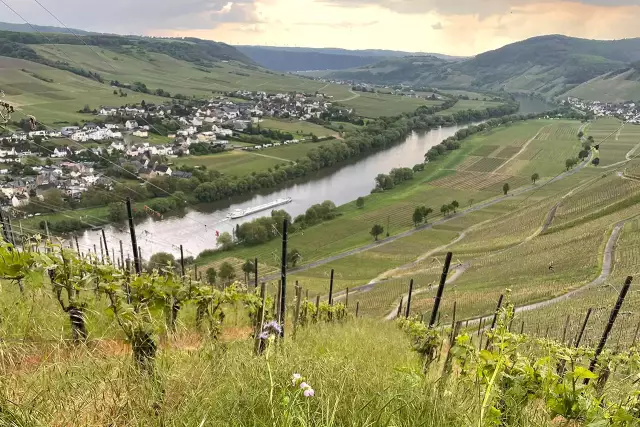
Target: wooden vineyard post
{"points": [[564, 330], [121, 254], [447, 360], [134, 241], [317, 315], [480, 325], [346, 299], [612, 320], [399, 308], [443, 280], [283, 275], [408, 312], [357, 308], [584, 326], [635, 335], [276, 308], [106, 248], [453, 322], [296, 314], [260, 319], [255, 272], [77, 245], [331, 288]]}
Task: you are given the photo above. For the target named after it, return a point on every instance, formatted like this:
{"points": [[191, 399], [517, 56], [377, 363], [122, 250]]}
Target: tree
{"points": [[583, 154], [161, 260], [225, 241], [455, 205], [376, 231], [227, 273], [117, 212], [535, 177], [568, 163], [444, 209], [426, 212], [247, 269], [360, 202], [580, 135], [418, 216], [595, 161], [505, 188], [590, 139], [293, 257], [212, 275]]}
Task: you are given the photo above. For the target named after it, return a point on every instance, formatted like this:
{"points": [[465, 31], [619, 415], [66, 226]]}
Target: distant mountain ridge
{"points": [[314, 59], [26, 28], [550, 65]]}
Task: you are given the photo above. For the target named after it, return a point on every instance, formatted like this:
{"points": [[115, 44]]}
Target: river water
{"points": [[196, 228]]}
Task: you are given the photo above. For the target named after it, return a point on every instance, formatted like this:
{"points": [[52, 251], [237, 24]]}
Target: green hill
{"points": [[551, 65], [53, 77]]}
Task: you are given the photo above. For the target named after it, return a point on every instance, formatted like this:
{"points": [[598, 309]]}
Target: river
{"points": [[196, 228]]}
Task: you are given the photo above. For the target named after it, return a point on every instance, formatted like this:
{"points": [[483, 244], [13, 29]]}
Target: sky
{"points": [[454, 27]]}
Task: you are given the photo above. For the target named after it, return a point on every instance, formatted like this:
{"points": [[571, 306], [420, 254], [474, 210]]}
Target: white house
{"points": [[37, 133], [141, 133], [190, 130], [162, 170], [108, 111], [80, 137], [119, 146], [60, 152], [131, 124], [20, 199]]}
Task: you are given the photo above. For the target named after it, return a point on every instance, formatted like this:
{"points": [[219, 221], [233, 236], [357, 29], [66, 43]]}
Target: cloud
{"points": [[137, 16], [437, 26], [481, 8]]}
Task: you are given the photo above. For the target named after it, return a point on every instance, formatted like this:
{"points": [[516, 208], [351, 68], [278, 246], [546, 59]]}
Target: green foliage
{"points": [[225, 241], [535, 177], [376, 231], [360, 202], [212, 275], [227, 272], [506, 188]]}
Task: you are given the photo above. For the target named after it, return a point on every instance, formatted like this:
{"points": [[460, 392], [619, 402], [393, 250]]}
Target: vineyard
{"points": [[95, 341]]}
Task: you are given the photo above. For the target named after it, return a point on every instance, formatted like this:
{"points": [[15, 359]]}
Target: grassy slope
{"points": [[58, 101]]}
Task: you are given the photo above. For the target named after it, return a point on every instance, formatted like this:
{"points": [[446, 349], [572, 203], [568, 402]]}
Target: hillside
{"points": [[26, 28], [551, 65], [54, 81], [316, 59]]}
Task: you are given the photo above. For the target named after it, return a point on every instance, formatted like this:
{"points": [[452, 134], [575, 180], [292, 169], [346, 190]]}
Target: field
{"points": [[377, 104], [297, 127], [616, 89], [233, 163], [471, 104], [621, 141]]}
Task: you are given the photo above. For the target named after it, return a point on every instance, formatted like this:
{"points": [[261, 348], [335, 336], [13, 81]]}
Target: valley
{"points": [[455, 241]]}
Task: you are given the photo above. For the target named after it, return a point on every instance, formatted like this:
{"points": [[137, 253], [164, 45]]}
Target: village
{"points": [[31, 165], [628, 111]]}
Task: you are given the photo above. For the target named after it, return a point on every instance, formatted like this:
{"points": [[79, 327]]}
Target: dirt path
{"points": [[355, 95], [271, 157], [458, 272], [607, 266], [524, 147]]}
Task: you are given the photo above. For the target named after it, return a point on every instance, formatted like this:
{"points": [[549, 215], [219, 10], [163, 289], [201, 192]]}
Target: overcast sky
{"points": [[455, 27]]}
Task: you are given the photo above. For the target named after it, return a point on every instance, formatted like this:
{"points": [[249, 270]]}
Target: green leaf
{"points": [[583, 373]]}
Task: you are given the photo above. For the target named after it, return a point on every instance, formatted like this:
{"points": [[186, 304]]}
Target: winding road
{"points": [[607, 266]]}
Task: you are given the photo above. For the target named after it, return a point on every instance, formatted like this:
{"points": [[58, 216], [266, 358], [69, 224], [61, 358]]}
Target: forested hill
{"points": [[26, 28], [201, 52], [551, 65], [312, 59]]}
